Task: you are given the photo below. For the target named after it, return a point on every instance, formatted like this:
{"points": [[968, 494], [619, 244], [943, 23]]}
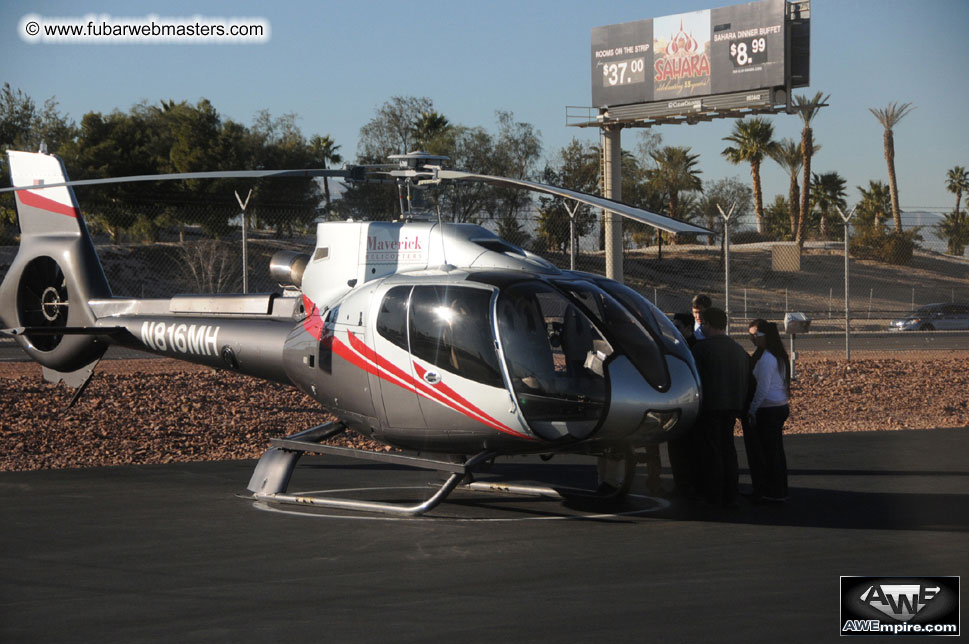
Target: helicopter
{"points": [[441, 340]]}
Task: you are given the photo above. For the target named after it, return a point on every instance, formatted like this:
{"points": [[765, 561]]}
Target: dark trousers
{"points": [[765, 452], [682, 451], [717, 456]]}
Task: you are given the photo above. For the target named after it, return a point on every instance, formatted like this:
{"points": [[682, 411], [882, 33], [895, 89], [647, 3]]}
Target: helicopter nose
{"points": [[639, 411]]}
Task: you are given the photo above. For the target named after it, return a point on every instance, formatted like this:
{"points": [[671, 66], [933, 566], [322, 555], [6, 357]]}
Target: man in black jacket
{"points": [[724, 370]]}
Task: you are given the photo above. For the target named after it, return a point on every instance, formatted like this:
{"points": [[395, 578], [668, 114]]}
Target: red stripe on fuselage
{"points": [[34, 200], [313, 322], [423, 389], [464, 402], [364, 357]]}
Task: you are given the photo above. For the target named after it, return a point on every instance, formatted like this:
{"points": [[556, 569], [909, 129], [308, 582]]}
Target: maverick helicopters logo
{"points": [[900, 606], [383, 249]]}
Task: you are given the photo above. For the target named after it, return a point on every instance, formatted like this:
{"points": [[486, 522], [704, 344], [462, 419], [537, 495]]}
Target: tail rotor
{"points": [[42, 301]]}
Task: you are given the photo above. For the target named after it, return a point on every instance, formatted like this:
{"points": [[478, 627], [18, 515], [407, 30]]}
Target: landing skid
{"points": [[272, 475]]}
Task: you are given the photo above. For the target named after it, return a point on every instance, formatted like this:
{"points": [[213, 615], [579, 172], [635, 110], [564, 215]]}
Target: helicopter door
{"points": [[397, 392], [453, 350], [556, 361]]}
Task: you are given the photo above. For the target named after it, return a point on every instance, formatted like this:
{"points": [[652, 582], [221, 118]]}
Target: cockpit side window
{"points": [[450, 327]]}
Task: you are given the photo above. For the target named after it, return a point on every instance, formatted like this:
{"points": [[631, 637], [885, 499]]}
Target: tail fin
{"points": [[56, 271]]}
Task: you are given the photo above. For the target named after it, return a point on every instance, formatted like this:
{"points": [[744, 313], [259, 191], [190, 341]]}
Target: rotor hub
{"points": [[51, 303]]}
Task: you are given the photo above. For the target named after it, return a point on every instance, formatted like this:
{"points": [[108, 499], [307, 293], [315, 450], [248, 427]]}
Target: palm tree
{"points": [[889, 118], [787, 154], [675, 172], [808, 109], [827, 190], [752, 140], [428, 128], [957, 180], [324, 150], [875, 204], [954, 228]]}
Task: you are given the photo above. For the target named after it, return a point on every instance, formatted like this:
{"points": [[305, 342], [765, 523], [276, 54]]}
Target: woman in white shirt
{"points": [[767, 413]]}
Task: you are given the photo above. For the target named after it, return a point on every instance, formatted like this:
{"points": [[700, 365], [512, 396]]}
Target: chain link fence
{"points": [[767, 279]]}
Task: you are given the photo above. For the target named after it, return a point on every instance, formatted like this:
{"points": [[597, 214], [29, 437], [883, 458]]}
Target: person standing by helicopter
{"points": [[684, 324], [724, 368], [767, 412], [699, 304]]}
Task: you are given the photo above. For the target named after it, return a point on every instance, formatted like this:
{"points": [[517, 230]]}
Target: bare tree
{"points": [[211, 266]]}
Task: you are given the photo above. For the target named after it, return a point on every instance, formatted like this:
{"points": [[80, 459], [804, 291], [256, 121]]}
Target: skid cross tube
{"points": [[270, 479]]}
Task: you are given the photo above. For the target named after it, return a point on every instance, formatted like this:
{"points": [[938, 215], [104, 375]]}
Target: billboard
{"points": [[680, 57]]}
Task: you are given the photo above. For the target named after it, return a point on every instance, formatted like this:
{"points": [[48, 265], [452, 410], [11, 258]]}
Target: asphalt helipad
{"points": [[173, 554]]}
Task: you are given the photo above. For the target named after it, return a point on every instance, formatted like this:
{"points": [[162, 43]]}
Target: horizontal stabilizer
{"points": [[62, 330]]}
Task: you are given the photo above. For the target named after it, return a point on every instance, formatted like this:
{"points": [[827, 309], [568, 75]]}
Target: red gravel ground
{"points": [[162, 411]]}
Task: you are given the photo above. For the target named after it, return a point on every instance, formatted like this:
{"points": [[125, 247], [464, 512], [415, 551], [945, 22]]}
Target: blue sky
{"points": [[334, 63]]}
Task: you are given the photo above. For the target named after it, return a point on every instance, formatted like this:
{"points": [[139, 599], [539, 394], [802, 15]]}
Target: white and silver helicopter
{"points": [[440, 339]]}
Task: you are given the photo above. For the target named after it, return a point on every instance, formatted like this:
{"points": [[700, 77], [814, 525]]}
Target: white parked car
{"points": [[932, 317]]}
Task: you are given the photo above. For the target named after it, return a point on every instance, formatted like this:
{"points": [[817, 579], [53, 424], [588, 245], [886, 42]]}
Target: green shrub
{"points": [[880, 245], [749, 237]]}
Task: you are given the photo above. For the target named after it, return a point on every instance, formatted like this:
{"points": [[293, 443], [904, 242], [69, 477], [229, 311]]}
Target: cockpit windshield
{"points": [[555, 356], [650, 317], [631, 335]]}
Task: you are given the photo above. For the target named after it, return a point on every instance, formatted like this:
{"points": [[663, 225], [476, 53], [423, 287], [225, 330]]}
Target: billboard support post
{"points": [[612, 189]]}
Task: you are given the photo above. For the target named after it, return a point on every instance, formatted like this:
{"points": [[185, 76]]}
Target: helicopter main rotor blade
{"points": [[664, 223], [352, 173]]}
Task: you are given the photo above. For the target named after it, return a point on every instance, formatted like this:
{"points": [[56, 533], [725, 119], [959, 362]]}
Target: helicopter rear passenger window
{"points": [[450, 327], [392, 318]]}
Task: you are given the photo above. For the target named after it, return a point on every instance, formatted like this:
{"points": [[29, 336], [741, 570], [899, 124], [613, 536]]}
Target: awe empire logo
{"points": [[900, 601], [900, 606]]}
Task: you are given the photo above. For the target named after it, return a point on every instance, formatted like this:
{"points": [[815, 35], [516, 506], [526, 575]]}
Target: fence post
{"points": [[726, 260], [846, 219], [572, 212], [245, 241]]}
